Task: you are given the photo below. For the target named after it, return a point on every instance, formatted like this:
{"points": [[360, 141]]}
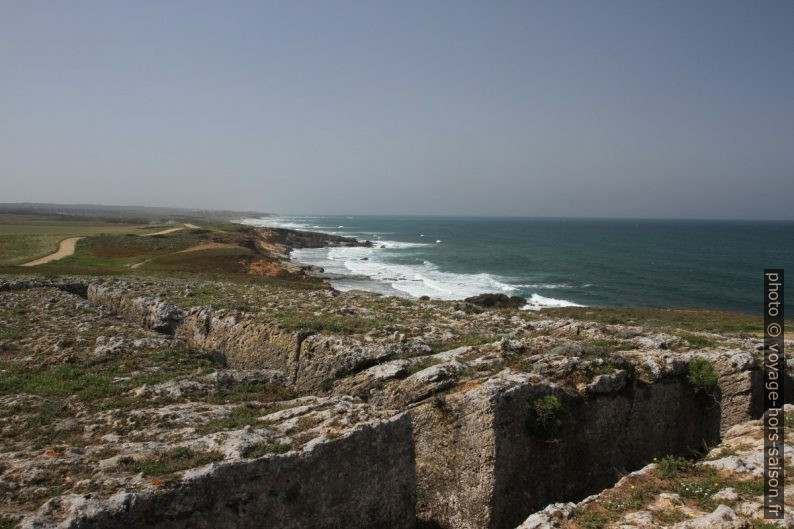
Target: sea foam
{"points": [[347, 266]]}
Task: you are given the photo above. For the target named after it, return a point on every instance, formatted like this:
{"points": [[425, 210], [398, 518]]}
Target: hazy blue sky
{"points": [[607, 108]]}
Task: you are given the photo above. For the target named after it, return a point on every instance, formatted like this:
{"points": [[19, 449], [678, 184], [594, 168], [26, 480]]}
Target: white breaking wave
{"points": [[537, 302], [414, 280], [276, 222]]}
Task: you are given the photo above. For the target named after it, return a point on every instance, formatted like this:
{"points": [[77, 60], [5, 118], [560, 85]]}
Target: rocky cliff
{"points": [[724, 490], [430, 413]]}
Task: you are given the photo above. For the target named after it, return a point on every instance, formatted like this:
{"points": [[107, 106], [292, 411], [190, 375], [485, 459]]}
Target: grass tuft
{"points": [[545, 417], [263, 449], [174, 460], [702, 376]]}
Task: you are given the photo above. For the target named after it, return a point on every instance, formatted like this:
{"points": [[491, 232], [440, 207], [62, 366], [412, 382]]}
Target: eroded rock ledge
{"points": [[397, 422], [723, 491]]}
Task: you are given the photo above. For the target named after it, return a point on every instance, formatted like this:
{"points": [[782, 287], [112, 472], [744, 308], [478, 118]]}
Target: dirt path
{"points": [[138, 265], [169, 230], [172, 230], [208, 246], [65, 249]]}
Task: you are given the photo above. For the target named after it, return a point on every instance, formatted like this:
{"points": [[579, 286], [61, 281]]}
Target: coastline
{"points": [[357, 267], [551, 263]]}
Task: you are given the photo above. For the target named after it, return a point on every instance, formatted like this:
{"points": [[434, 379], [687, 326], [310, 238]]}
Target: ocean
{"points": [[555, 262]]}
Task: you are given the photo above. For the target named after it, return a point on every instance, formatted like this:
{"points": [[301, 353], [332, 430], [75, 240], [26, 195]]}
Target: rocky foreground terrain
{"points": [[157, 402], [722, 491]]}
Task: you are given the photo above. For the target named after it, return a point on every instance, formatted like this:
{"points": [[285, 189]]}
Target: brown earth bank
{"points": [[274, 245], [188, 402]]}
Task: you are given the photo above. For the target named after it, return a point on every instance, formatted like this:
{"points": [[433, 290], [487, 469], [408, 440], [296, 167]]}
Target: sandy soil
{"points": [[65, 249]]}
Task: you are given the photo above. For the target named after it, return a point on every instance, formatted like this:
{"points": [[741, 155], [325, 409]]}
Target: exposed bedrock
{"points": [[313, 363], [244, 343], [484, 460], [741, 389], [485, 456], [599, 439], [151, 313], [363, 480]]}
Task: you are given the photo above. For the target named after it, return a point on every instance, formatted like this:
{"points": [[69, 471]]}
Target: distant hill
{"points": [[131, 214]]}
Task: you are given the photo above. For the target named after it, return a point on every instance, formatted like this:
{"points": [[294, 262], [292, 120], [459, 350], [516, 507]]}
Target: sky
{"points": [[663, 109]]}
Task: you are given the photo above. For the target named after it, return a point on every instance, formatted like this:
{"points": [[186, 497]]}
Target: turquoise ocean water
{"points": [[555, 262]]}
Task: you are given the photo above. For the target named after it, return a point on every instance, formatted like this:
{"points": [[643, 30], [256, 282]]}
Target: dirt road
{"points": [[65, 249]]}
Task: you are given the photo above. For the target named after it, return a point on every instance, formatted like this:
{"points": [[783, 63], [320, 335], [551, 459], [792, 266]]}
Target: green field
{"points": [[25, 238], [120, 248]]}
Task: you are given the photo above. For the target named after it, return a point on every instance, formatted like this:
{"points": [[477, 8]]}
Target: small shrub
{"points": [[8, 523], [638, 497], [698, 342], [590, 519], [700, 489], [545, 417], [174, 460], [702, 376], [751, 488], [761, 524], [670, 516], [242, 416], [263, 449], [670, 467]]}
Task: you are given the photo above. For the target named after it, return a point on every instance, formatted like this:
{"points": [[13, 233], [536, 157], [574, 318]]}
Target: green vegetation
{"points": [[695, 484], [263, 449], [698, 342], [8, 523], [702, 376], [116, 246], [669, 467], [55, 381], [242, 416], [174, 460], [545, 417], [108, 254], [24, 239], [597, 347], [591, 519], [93, 383], [670, 516], [420, 365], [761, 524], [251, 391], [700, 483]]}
